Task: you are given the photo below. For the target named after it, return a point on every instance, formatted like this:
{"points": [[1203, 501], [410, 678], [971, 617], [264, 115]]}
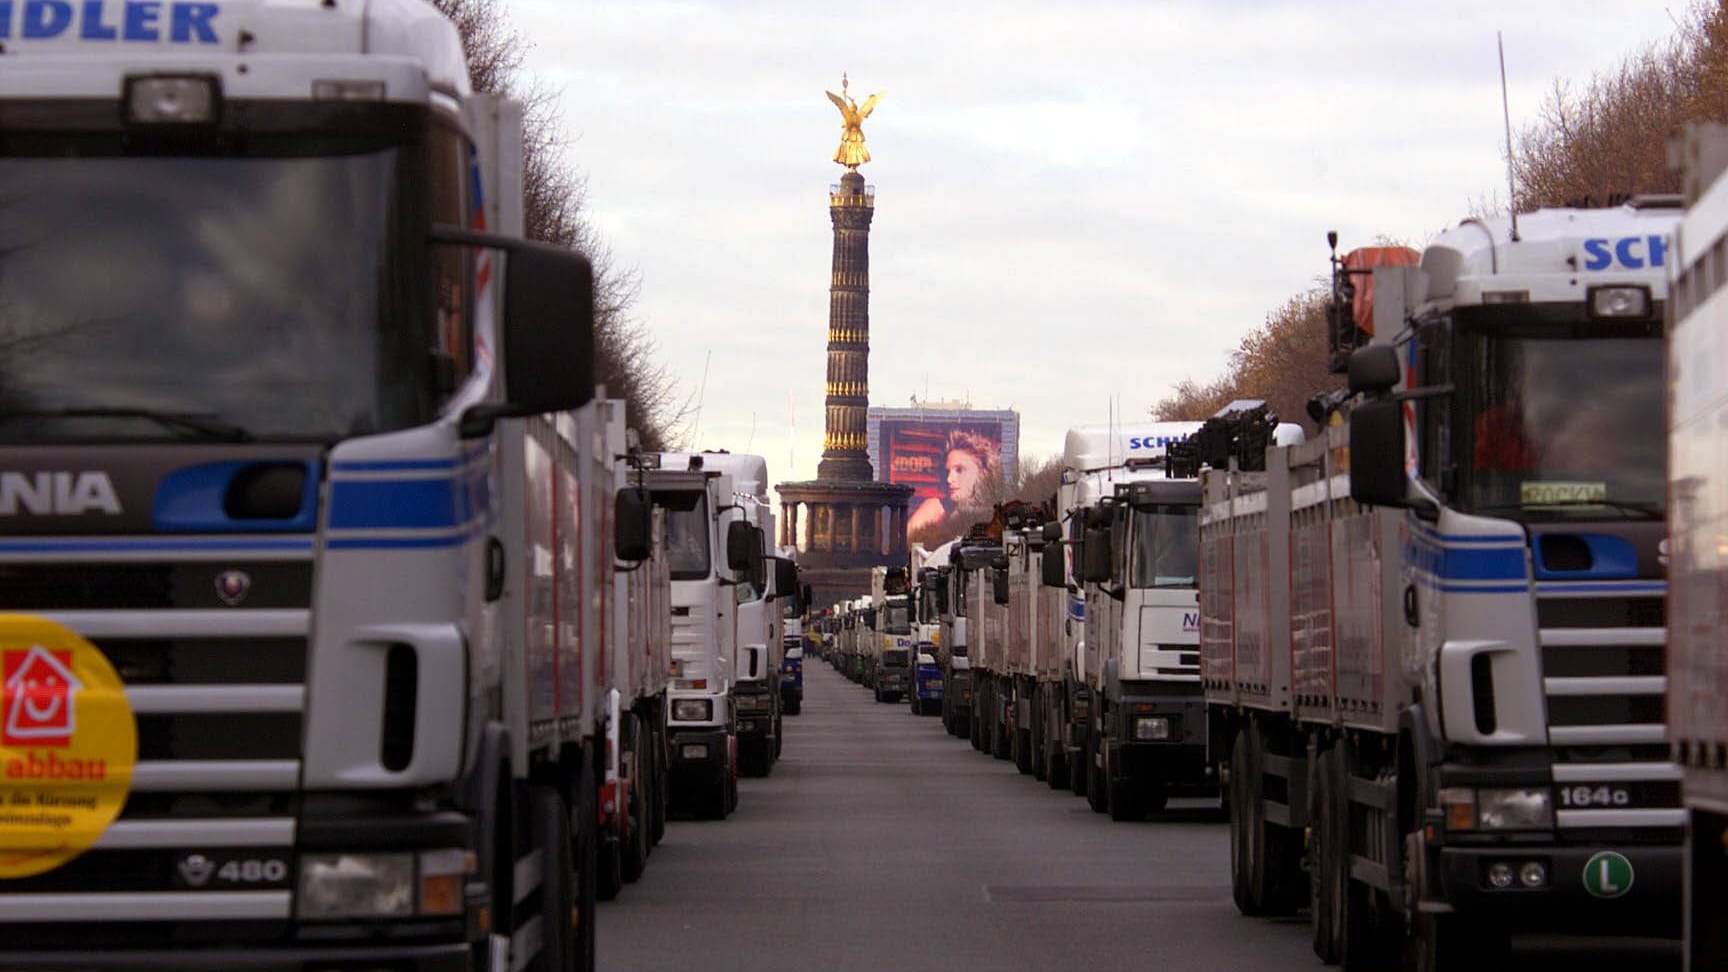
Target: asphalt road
{"points": [[881, 842]]}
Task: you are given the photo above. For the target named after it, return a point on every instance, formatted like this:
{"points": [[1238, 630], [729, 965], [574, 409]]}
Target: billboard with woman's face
{"points": [[953, 466]]}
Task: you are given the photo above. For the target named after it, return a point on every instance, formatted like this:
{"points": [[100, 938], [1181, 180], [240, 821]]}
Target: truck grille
{"points": [[218, 693], [1603, 676]]}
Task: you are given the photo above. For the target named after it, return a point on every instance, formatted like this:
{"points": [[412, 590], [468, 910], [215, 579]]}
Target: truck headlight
{"points": [[692, 710], [1521, 808], [356, 886], [1151, 730]]}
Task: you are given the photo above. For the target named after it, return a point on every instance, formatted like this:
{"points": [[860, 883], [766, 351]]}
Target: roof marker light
{"points": [[1622, 301], [172, 100], [331, 89]]}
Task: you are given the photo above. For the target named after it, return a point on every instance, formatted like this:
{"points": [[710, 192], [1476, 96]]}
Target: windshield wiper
{"points": [[203, 425]]}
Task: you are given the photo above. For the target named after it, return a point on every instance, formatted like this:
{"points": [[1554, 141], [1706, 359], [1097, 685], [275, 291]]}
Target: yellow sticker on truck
{"points": [[68, 744]]}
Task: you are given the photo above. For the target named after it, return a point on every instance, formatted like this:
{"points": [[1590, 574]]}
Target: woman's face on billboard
{"points": [[963, 475]]}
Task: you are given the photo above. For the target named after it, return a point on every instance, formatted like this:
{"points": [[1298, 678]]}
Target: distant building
{"points": [[954, 457]]}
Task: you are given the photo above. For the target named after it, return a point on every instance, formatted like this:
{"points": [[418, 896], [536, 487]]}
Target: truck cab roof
{"points": [[280, 39], [1558, 256]]}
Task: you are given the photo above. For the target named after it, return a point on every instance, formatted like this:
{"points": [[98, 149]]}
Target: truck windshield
{"points": [[896, 658], [152, 297], [1559, 422], [687, 541], [1166, 546], [899, 619]]}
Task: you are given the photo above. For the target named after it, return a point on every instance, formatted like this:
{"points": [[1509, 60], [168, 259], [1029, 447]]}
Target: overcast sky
{"points": [[1074, 200]]}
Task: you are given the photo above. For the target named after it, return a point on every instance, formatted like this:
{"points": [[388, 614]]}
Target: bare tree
{"points": [[1283, 362], [554, 194]]}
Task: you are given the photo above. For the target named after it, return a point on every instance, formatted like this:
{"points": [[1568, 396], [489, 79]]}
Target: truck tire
{"points": [[1328, 878], [1244, 834], [792, 706], [1055, 766], [550, 825], [1078, 770], [584, 843], [609, 871], [633, 859], [659, 806], [1020, 750], [1097, 776], [1266, 874]]}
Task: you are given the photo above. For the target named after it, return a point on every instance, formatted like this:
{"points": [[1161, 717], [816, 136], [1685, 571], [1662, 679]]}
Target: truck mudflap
{"points": [[1626, 889], [456, 957]]}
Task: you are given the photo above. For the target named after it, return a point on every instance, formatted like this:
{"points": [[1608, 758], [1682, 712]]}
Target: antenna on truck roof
{"points": [[1506, 115]]}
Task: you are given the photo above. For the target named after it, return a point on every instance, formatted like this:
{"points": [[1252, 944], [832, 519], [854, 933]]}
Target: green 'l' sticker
{"points": [[1608, 875]]}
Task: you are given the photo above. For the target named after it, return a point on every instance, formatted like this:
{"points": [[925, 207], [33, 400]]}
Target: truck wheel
{"points": [[658, 807], [557, 893], [585, 839], [1079, 768], [609, 876], [1097, 776], [1022, 749], [1055, 766], [1327, 879], [634, 856], [1244, 833], [792, 707]]}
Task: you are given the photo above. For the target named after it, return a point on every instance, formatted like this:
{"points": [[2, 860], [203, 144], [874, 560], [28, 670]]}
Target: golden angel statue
{"points": [[852, 152]]}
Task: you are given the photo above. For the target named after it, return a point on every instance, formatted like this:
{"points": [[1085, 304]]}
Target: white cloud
{"points": [[1075, 200]]}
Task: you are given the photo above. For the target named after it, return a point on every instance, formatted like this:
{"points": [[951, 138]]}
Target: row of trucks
{"points": [[872, 641], [345, 628], [1422, 656]]}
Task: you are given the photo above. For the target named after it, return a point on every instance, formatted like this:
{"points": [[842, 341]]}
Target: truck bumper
{"points": [[700, 757], [1179, 761], [454, 957], [1649, 905]]}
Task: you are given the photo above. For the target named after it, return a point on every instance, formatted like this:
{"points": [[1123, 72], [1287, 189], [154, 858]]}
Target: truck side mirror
{"points": [[1377, 476], [785, 578], [1374, 369], [632, 519], [804, 596], [1054, 568], [999, 585], [1052, 532], [548, 336], [1096, 554], [758, 559], [741, 546]]}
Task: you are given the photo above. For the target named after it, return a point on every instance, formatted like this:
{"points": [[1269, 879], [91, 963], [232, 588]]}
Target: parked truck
{"points": [[701, 736], [1433, 638], [759, 641], [952, 657], [1123, 708], [292, 502], [1697, 680], [891, 633], [638, 636]]}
